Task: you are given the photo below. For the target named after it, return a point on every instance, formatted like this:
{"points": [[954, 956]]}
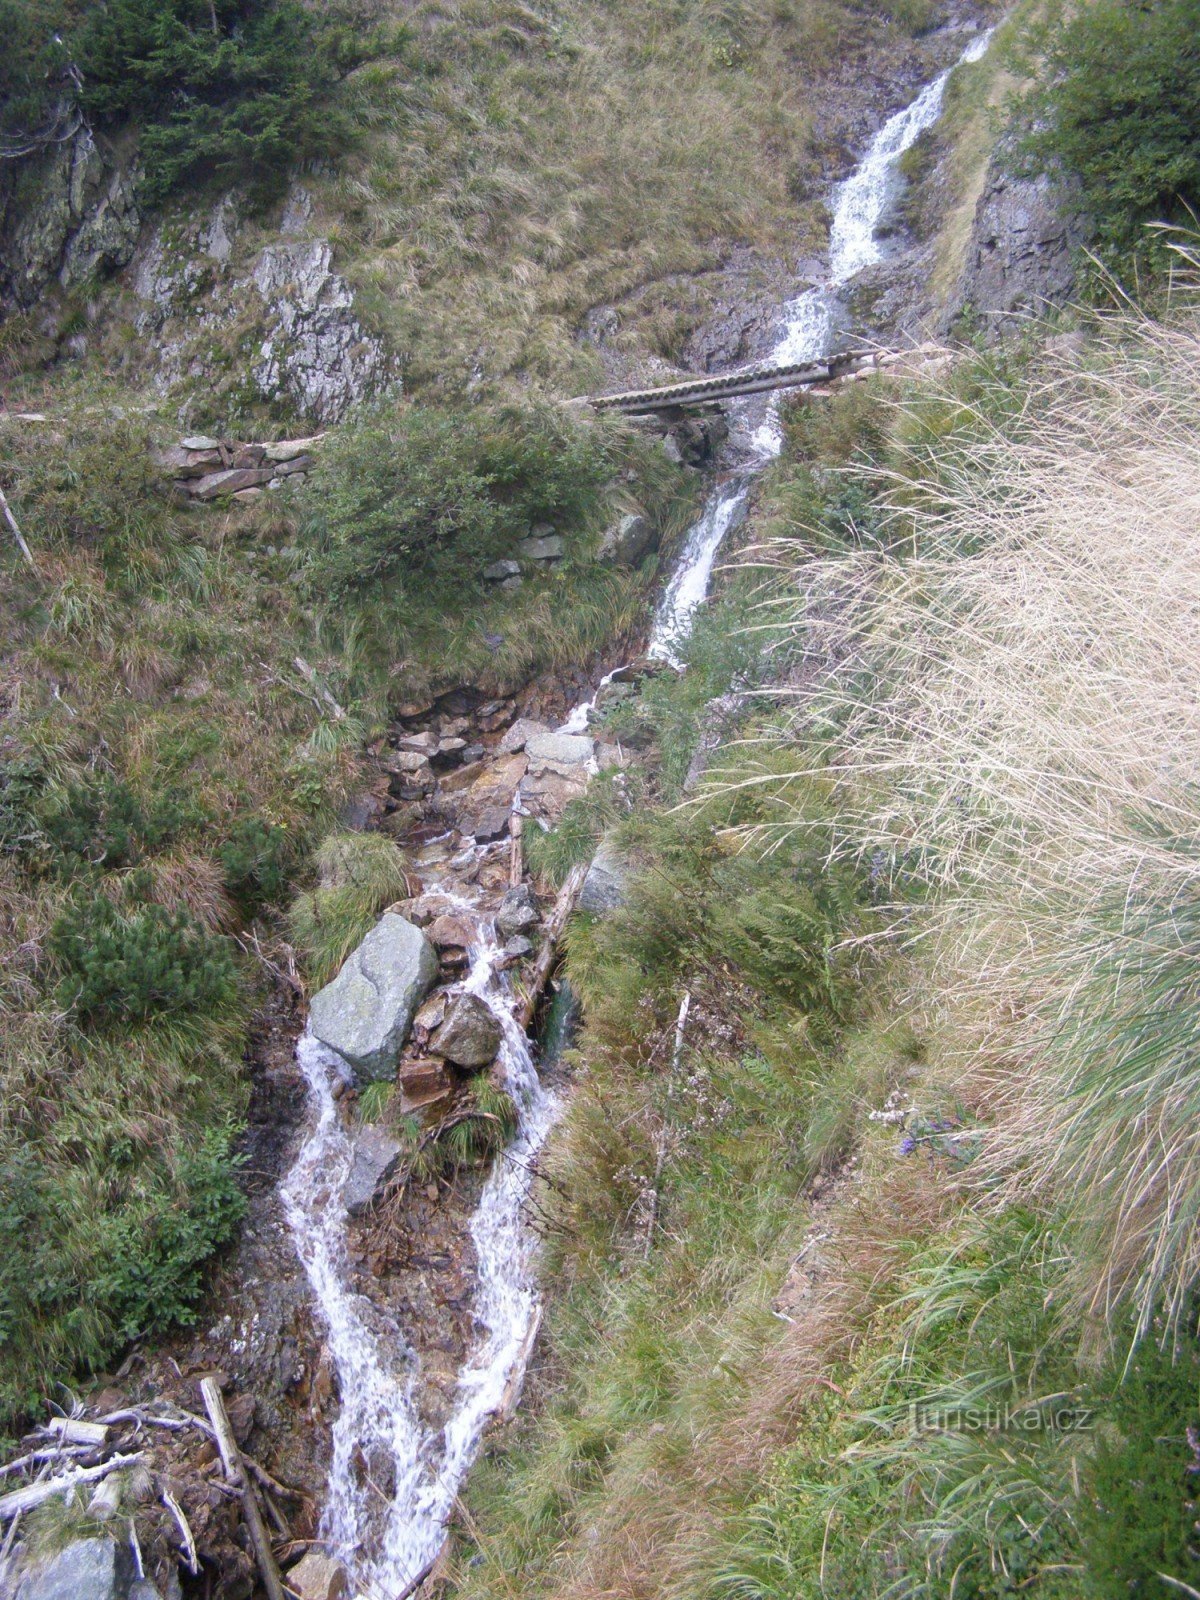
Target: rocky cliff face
{"points": [[1024, 245], [65, 214], [216, 296]]}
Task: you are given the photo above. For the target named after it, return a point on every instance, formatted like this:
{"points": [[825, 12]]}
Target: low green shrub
{"points": [[1121, 112], [256, 859], [420, 499], [80, 1277], [1139, 1507], [116, 966]]}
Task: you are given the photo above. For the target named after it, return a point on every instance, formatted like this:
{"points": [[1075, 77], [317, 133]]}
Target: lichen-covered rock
{"points": [[1024, 247], [627, 541], [366, 1012], [202, 280], [470, 1033]]}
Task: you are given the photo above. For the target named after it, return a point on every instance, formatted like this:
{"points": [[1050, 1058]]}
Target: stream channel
{"points": [[387, 1541]]}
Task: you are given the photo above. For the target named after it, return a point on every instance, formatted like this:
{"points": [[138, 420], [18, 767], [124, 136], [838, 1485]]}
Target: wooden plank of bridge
{"points": [[753, 380]]}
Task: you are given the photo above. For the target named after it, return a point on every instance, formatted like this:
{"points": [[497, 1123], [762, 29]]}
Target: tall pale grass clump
{"points": [[1012, 678]]}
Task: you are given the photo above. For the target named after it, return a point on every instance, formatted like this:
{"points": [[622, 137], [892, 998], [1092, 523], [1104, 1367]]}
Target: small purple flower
{"points": [[907, 1145]]}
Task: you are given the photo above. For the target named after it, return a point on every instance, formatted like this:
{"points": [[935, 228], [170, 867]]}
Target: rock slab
{"points": [[366, 1012], [376, 1157], [88, 1569]]}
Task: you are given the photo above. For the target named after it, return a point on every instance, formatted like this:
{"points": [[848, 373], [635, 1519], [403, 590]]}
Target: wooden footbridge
{"points": [[750, 380]]}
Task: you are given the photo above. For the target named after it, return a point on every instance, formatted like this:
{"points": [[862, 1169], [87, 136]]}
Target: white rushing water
{"points": [[379, 1431], [387, 1545]]}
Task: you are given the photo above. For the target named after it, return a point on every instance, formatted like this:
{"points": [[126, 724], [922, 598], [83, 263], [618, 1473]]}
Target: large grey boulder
{"points": [[376, 1157], [470, 1033], [604, 887], [88, 1569], [366, 1012]]}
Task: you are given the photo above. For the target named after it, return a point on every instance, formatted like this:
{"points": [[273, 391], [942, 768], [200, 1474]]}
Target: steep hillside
{"points": [[405, 863]]}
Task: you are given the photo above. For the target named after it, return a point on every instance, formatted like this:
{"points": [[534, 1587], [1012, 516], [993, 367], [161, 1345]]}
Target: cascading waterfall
{"points": [[386, 1549]]}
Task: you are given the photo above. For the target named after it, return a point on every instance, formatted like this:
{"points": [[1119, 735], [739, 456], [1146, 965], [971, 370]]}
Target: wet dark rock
{"points": [[376, 1157], [1024, 247]]}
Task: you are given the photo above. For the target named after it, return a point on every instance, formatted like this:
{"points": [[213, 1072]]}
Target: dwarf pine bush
{"points": [[139, 964]]}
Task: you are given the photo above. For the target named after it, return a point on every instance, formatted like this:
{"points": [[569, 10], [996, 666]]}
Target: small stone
{"points": [[499, 570], [492, 824], [523, 729], [518, 947], [288, 469], [453, 932], [518, 912], [408, 761], [289, 449], [246, 495], [248, 455], [425, 742], [199, 441], [470, 1033], [541, 547], [510, 584], [216, 484], [423, 1081], [317, 1576]]}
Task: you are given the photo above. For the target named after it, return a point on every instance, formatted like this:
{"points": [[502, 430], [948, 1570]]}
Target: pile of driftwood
{"points": [[70, 1452]]}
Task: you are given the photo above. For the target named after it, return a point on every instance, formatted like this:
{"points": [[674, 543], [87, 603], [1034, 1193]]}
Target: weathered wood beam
{"points": [[235, 1472], [544, 964]]}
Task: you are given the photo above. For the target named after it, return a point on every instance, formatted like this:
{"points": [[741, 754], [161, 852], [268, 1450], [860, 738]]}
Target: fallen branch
{"points": [[185, 1531], [544, 965], [516, 861], [235, 1472], [33, 1494], [310, 676], [14, 529], [516, 1378]]}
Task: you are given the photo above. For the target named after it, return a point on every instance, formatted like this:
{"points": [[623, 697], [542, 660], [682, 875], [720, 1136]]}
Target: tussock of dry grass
{"points": [[1027, 748]]}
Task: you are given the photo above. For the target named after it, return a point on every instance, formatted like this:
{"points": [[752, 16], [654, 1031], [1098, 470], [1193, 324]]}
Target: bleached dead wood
{"points": [[185, 1531], [14, 528], [235, 1471], [16, 1501], [74, 1430]]}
